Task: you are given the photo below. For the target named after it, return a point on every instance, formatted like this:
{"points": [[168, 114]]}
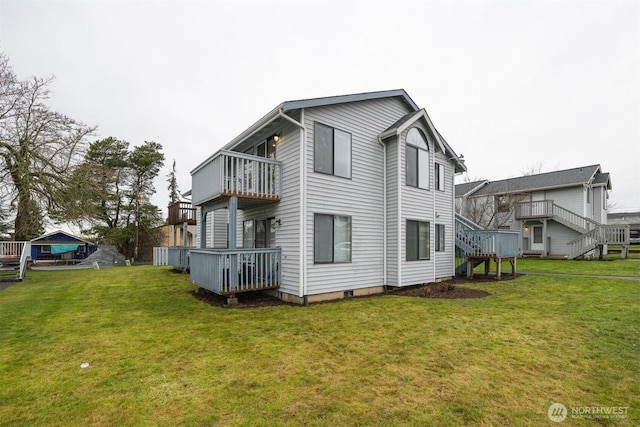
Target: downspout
{"points": [[302, 272], [452, 243], [433, 191], [302, 293], [384, 212]]}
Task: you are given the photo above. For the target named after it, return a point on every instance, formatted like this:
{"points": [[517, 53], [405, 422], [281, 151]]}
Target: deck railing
{"points": [[536, 209], [548, 209], [230, 271], [498, 243], [229, 173], [602, 235], [15, 254], [181, 212], [178, 257], [568, 217]]}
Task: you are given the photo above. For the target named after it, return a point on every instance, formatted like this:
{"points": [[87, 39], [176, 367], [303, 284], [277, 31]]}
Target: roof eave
{"points": [[340, 99]]}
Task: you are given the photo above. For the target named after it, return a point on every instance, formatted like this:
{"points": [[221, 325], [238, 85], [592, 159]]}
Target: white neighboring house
{"points": [[326, 198], [560, 214]]}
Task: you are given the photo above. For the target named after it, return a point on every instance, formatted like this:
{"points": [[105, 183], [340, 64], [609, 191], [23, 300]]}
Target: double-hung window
{"points": [[417, 159], [332, 151], [439, 172], [331, 239], [440, 238], [417, 240]]}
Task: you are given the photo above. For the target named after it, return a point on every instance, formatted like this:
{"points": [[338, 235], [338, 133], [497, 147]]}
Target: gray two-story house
{"points": [[561, 213], [325, 198]]}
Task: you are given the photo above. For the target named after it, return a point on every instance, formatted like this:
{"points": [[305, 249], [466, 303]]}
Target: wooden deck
{"points": [[181, 212], [474, 259]]}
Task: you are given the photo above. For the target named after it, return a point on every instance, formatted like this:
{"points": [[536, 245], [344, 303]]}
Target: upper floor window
{"points": [[439, 177], [332, 151], [417, 159], [502, 204]]}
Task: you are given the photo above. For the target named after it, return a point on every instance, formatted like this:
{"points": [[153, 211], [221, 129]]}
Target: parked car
{"points": [[635, 238]]}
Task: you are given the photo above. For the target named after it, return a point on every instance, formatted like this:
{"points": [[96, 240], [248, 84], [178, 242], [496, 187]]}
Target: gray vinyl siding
{"points": [[444, 215], [196, 237], [392, 213], [559, 235], [360, 197], [209, 220], [599, 205], [219, 227], [418, 204], [571, 198], [287, 210]]}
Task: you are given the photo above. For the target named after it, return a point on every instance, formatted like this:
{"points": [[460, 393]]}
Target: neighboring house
{"points": [[60, 246], [181, 225], [326, 198], [561, 213], [171, 235]]}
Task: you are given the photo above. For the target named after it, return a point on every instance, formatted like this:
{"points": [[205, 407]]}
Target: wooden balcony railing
{"points": [[231, 271], [498, 243], [229, 173], [181, 212], [13, 257], [178, 257], [602, 235], [537, 209], [548, 209]]}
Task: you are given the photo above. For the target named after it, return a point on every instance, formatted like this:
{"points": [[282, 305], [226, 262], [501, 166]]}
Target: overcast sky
{"points": [[513, 86]]}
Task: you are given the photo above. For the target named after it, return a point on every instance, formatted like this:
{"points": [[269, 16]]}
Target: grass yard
{"points": [[612, 265], [158, 356]]}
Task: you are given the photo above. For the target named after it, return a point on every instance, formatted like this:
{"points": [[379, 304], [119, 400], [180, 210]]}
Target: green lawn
{"points": [[612, 265], [158, 356]]}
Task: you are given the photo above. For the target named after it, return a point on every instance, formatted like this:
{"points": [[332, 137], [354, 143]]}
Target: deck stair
{"points": [[464, 244], [13, 261], [475, 245], [598, 237], [593, 235]]}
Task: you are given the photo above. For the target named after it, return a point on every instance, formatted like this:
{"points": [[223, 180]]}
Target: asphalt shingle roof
{"points": [[563, 178]]}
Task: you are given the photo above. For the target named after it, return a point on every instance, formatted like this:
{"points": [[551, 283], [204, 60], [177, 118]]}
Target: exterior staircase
{"points": [[593, 235], [598, 237], [13, 261], [475, 245]]}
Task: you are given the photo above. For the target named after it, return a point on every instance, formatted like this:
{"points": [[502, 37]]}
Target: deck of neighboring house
{"points": [[593, 235], [13, 260]]}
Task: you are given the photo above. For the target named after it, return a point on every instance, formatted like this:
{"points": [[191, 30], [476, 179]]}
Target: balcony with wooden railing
{"points": [[231, 271], [542, 209], [181, 212], [253, 180]]}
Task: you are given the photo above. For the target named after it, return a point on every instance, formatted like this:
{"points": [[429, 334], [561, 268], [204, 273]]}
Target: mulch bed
{"points": [[448, 289]]}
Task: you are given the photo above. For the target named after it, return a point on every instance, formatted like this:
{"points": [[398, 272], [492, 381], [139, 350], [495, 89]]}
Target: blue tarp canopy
{"points": [[60, 249]]}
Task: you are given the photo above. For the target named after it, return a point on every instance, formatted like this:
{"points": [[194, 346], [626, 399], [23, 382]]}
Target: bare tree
{"points": [[493, 209], [37, 148]]}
